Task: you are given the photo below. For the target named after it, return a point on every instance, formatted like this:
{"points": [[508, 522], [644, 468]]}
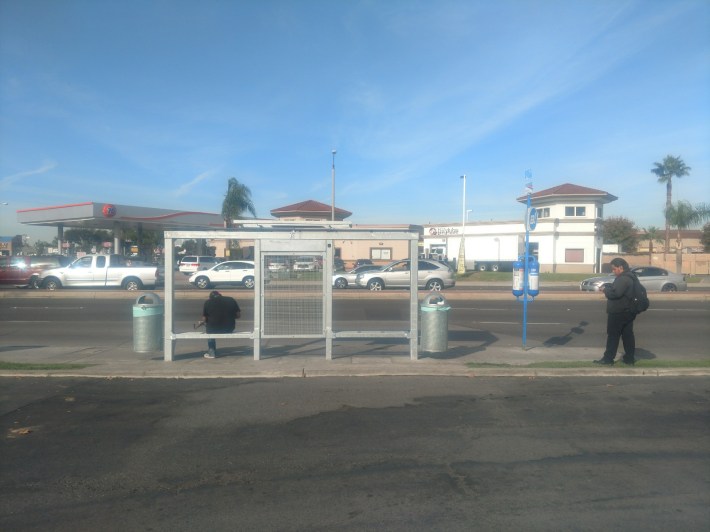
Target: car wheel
{"points": [[132, 284], [249, 282], [375, 285], [669, 288], [340, 283], [52, 283], [495, 268], [34, 282], [202, 282], [482, 267], [435, 284]]}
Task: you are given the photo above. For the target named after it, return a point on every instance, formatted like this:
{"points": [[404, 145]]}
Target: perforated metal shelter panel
{"points": [[293, 295]]}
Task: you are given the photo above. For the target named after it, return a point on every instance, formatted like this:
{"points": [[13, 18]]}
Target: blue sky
{"points": [[158, 103]]}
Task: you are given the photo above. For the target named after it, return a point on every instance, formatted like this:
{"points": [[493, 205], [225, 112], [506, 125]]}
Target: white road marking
{"points": [[47, 308]]}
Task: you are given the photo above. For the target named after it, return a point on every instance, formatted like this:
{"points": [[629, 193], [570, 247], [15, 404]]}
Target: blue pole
{"points": [[528, 176], [525, 278]]}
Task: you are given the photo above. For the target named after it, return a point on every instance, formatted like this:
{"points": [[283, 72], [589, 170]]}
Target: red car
{"points": [[24, 270]]}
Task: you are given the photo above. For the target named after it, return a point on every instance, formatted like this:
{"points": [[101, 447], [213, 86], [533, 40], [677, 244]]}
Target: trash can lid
{"points": [[147, 299], [435, 300]]}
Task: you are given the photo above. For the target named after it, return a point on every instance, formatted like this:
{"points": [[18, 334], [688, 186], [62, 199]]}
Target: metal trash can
{"points": [[148, 323], [434, 323]]}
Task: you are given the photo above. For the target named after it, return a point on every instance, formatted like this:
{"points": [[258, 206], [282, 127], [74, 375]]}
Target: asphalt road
{"points": [[676, 329], [355, 454]]}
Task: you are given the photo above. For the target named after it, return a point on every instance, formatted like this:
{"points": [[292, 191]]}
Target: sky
{"points": [[159, 103]]}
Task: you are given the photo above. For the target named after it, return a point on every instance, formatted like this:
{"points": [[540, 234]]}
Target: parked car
{"points": [[362, 262], [345, 279], [279, 264], [231, 272], [23, 271], [190, 264], [102, 271], [306, 263], [432, 275], [651, 277]]}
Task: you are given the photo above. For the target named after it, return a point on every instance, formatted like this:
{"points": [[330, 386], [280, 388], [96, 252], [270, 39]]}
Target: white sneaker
{"points": [[209, 355]]}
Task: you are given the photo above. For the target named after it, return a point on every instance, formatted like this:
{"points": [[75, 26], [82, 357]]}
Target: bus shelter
{"points": [[293, 307]]}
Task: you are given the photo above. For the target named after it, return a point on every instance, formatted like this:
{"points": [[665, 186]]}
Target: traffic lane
{"points": [[393, 453], [675, 329]]}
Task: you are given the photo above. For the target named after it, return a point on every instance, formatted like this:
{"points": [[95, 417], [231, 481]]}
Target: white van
{"points": [[190, 264]]}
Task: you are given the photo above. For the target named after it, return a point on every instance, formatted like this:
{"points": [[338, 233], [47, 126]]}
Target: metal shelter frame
{"points": [[290, 240]]}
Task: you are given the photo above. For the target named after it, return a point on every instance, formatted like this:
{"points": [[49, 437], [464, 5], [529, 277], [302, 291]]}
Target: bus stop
{"points": [[293, 307]]}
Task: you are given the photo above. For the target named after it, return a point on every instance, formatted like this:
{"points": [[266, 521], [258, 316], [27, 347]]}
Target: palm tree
{"points": [[653, 234], [236, 201], [683, 215], [670, 167]]}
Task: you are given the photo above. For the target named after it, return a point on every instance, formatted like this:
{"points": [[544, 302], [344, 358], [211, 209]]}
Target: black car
{"points": [[362, 262]]}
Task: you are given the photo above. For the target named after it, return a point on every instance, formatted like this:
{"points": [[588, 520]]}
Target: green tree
{"points": [[86, 239], [18, 245], [670, 167], [189, 247], [236, 202], [146, 240], [705, 238], [654, 235], [622, 231], [40, 247], [683, 215]]}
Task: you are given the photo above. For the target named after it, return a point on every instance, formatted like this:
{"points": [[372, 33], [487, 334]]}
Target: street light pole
{"points": [[332, 194], [461, 263]]}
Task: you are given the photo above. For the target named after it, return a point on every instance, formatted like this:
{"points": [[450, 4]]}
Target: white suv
{"points": [[307, 263], [190, 264], [231, 272]]}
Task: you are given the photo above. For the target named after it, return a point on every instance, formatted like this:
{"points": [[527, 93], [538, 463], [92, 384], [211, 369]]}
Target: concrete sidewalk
{"points": [[354, 359]]}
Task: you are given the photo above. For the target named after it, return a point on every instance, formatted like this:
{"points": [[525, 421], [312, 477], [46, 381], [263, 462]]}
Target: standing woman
{"points": [[620, 315]]}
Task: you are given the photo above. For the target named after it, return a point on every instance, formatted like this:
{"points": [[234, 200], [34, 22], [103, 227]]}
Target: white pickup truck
{"points": [[98, 271]]}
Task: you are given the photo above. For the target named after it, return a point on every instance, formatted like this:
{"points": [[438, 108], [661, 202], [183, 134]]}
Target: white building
{"points": [[568, 236]]}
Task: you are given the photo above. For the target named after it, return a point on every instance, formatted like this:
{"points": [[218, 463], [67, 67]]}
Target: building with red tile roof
{"points": [[309, 210]]}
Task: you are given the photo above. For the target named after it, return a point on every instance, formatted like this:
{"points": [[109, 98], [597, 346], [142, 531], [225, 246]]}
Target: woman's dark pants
{"points": [[620, 325]]}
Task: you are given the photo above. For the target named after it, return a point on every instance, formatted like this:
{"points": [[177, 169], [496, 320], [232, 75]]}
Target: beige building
{"points": [[349, 250], [316, 214]]}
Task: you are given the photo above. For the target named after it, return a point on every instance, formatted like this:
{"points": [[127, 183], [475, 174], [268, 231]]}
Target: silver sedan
{"points": [[345, 279], [652, 278]]}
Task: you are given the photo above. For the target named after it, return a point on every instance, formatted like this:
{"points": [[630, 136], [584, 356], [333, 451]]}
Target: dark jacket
{"points": [[620, 294], [220, 314]]}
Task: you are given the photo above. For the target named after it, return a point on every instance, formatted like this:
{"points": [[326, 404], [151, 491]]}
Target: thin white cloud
{"points": [[5, 182], [187, 187]]}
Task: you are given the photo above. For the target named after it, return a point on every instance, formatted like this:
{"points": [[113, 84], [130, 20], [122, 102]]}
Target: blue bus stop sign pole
{"points": [[528, 190]]}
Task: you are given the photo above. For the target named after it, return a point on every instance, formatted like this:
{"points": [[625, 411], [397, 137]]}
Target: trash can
{"points": [[148, 323], [434, 323]]}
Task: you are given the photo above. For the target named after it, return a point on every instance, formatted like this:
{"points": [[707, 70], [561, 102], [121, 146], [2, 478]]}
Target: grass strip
{"points": [[26, 366], [643, 364]]}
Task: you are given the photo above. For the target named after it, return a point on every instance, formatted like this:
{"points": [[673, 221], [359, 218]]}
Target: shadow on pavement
{"points": [[563, 340]]}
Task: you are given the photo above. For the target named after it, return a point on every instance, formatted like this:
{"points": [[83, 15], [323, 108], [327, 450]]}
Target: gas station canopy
{"points": [[112, 216]]}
